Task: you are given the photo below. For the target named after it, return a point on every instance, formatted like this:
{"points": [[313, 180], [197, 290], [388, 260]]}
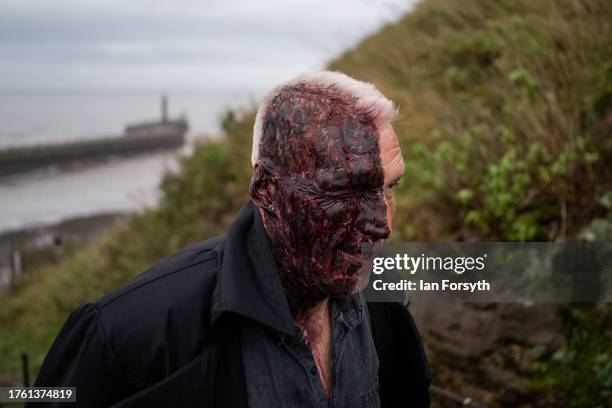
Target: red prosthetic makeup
{"points": [[319, 181]]}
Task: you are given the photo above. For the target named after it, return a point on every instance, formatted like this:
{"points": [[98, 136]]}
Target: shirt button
{"points": [[314, 371]]}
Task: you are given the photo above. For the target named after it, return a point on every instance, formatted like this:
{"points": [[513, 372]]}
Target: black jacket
{"points": [[170, 337]]}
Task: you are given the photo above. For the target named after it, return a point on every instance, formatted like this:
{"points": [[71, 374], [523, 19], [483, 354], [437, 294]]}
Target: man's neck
{"points": [[316, 327]]}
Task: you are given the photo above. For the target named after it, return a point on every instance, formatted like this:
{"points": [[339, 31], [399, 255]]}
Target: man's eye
{"points": [[391, 188]]}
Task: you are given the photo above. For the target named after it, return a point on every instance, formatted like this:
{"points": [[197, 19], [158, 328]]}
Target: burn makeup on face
{"points": [[319, 182]]}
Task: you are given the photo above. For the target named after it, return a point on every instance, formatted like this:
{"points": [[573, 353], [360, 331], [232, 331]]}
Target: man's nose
{"points": [[389, 213], [377, 230]]}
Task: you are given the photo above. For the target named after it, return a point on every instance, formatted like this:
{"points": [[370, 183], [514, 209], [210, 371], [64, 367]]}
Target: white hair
{"points": [[363, 96]]}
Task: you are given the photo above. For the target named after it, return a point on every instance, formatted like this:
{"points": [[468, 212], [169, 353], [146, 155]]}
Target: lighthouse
{"points": [[164, 108]]}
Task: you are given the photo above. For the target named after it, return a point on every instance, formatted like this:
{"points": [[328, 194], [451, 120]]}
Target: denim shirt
{"points": [[280, 370]]}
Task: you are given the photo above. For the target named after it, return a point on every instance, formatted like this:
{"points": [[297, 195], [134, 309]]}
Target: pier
{"points": [[139, 138]]}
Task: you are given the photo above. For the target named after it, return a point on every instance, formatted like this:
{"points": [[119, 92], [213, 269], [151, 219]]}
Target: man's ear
{"points": [[263, 189]]}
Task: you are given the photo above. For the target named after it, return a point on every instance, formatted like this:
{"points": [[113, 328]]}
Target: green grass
{"points": [[505, 128], [579, 373]]}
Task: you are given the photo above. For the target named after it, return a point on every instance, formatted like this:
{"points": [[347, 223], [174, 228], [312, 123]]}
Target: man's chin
{"points": [[350, 260]]}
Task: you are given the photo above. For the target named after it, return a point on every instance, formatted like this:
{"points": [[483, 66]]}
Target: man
{"points": [[270, 314]]}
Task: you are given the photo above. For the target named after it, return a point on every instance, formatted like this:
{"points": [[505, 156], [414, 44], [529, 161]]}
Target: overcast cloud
{"points": [[70, 44]]}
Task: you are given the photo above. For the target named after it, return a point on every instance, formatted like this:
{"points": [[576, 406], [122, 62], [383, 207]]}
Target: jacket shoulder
{"points": [[160, 320], [172, 271]]}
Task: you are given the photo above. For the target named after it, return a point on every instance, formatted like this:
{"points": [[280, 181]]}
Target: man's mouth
{"points": [[364, 251]]}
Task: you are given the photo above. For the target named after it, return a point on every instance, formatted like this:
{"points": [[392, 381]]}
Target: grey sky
{"points": [[177, 44]]}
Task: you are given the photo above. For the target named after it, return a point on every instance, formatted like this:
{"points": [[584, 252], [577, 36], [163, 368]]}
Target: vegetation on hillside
{"points": [[505, 127], [505, 115]]}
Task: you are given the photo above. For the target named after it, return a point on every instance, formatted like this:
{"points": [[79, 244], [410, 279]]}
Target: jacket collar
{"points": [[248, 282]]}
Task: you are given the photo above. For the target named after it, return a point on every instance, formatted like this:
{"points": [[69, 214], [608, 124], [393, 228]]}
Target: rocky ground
{"points": [[479, 350]]}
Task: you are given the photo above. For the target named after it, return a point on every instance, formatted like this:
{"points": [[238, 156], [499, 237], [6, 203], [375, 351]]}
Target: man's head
{"points": [[325, 161]]}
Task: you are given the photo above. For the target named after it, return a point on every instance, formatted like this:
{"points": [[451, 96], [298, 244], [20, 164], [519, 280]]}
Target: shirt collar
{"points": [[349, 310], [248, 282]]}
